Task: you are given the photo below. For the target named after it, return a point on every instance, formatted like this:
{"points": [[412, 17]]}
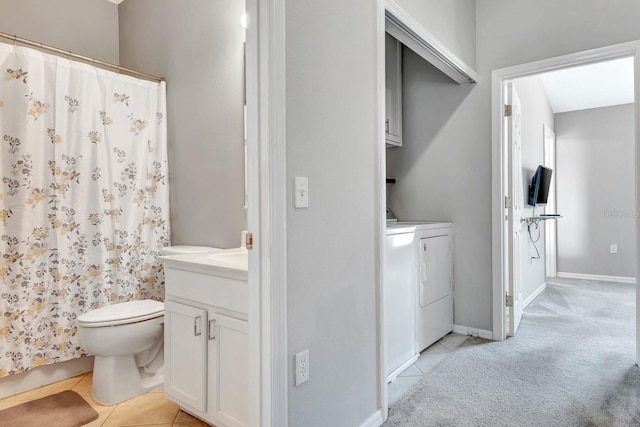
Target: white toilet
{"points": [[127, 340]]}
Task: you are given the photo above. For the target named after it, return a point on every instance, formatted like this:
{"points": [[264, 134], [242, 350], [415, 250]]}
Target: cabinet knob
{"points": [[386, 126]]}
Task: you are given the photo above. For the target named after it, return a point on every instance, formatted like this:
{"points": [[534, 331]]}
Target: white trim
{"points": [[374, 420], [498, 193], [636, 84], [473, 332], [533, 295], [393, 375], [599, 277], [416, 37], [381, 192], [44, 375], [498, 78], [551, 227], [266, 215]]}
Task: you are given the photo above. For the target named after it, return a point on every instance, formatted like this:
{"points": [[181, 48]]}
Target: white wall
{"points": [[536, 112], [452, 22], [86, 27], [198, 46], [332, 115], [596, 191]]}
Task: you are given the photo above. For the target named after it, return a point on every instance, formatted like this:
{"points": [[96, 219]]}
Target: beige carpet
{"points": [[572, 364], [65, 409]]}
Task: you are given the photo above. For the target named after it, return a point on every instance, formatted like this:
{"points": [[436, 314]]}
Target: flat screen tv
{"points": [[539, 187]]}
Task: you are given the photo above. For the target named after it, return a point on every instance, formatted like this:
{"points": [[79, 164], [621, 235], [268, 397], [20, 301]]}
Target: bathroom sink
{"points": [[233, 258]]}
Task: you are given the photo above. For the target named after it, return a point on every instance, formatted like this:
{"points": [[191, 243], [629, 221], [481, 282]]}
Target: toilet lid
{"points": [[118, 314]]}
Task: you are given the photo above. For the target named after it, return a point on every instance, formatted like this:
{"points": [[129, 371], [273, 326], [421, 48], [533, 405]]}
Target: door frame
{"points": [[266, 213], [515, 209], [500, 253], [551, 228]]}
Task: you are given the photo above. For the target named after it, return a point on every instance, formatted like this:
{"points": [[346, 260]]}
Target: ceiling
{"points": [[590, 86]]}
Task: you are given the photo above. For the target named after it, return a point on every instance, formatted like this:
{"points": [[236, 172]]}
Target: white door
{"points": [[514, 224], [550, 226]]}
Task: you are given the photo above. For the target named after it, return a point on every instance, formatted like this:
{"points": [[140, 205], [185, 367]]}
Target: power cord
{"points": [[536, 224]]}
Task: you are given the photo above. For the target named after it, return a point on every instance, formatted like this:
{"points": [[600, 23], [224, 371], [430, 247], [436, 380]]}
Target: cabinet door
{"points": [[393, 98], [185, 355], [229, 380]]}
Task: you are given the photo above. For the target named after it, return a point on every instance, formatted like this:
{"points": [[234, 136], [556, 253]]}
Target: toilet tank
{"points": [[184, 249]]}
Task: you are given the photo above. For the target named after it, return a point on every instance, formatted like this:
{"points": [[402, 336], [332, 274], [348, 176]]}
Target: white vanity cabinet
{"points": [[393, 95], [185, 358], [207, 343]]}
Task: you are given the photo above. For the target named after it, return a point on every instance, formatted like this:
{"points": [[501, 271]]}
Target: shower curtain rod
{"points": [[70, 54]]}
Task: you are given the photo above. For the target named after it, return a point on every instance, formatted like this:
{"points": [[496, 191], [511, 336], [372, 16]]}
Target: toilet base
{"points": [[118, 378]]}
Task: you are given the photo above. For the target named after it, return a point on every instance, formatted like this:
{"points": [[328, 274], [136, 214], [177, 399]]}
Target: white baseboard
{"points": [[533, 295], [374, 420], [474, 332], [616, 279], [44, 375], [393, 375]]}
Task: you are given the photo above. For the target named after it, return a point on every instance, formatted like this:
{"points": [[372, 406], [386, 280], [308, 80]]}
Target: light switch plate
{"points": [[301, 189]]}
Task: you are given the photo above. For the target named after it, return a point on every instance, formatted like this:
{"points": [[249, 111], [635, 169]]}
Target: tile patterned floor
{"points": [[154, 409], [151, 409], [429, 358]]}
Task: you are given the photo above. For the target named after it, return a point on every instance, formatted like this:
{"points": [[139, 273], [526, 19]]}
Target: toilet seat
{"points": [[122, 313]]}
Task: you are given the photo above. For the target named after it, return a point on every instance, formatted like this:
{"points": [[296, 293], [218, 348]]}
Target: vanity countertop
{"points": [[231, 263]]}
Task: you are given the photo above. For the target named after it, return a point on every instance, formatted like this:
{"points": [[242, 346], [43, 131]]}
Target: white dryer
{"points": [[433, 283]]}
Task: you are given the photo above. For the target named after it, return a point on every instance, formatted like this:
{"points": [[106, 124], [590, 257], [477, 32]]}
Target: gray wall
{"points": [[536, 111], [87, 27], [428, 183], [332, 279], [536, 30], [441, 169], [596, 191], [426, 167], [198, 46], [452, 22]]}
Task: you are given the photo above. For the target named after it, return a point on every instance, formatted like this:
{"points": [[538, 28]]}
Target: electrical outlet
{"points": [[302, 367], [613, 249]]}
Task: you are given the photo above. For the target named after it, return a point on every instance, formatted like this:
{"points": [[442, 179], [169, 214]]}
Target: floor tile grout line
{"points": [[176, 417], [109, 415]]}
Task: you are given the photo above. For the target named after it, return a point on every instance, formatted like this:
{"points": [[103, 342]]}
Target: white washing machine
{"points": [[432, 280], [399, 300]]}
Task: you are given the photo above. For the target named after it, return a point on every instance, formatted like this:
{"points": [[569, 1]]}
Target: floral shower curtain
{"points": [[84, 202]]}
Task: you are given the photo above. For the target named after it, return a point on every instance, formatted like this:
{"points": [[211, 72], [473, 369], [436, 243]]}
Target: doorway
{"points": [[504, 261]]}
